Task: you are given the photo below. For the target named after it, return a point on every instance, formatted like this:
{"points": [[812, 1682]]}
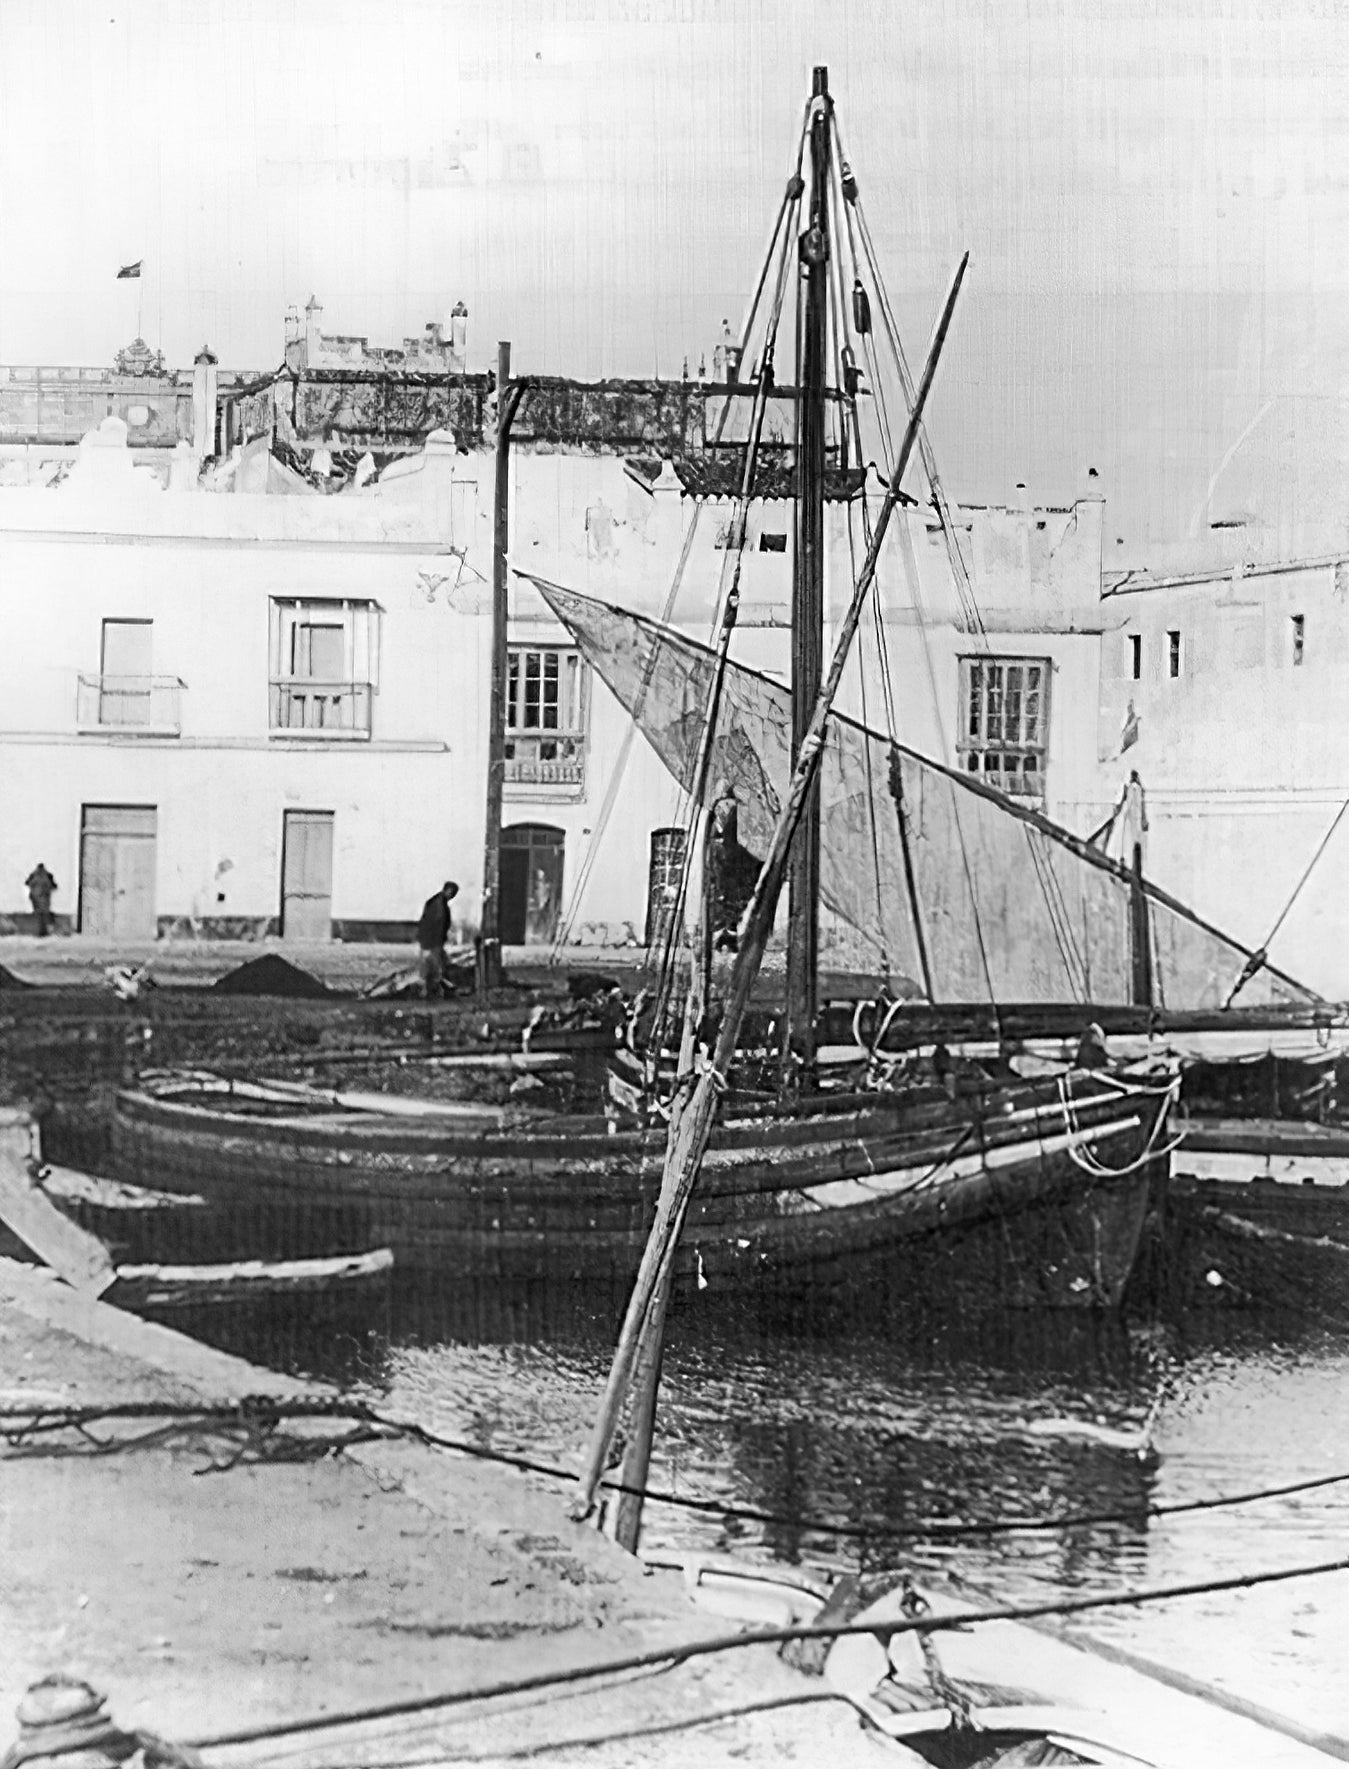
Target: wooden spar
{"points": [[1140, 934], [74, 1254], [384, 1105], [162, 1285], [803, 891], [651, 1343], [688, 1137], [650, 1349], [489, 935], [642, 1425]]}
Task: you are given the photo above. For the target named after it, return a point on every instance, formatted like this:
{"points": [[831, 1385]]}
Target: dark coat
{"points": [[433, 930]]}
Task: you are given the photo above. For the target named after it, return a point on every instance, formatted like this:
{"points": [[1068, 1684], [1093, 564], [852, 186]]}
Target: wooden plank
{"points": [[71, 1251], [165, 1284]]}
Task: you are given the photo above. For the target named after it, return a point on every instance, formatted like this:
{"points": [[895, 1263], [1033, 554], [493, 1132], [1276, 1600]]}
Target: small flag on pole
{"points": [[130, 270]]}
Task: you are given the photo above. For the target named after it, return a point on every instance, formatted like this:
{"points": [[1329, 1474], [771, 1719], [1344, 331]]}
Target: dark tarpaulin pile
{"points": [[272, 975]]}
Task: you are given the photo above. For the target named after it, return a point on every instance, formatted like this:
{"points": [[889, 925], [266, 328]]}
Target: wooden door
{"points": [[531, 883], [307, 876], [117, 871], [514, 887]]}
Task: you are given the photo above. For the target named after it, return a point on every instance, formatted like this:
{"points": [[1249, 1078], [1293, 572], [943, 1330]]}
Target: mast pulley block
{"points": [[814, 246]]}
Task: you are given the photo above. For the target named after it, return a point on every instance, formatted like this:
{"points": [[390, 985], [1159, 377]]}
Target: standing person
{"points": [[433, 931], [41, 886], [723, 845]]}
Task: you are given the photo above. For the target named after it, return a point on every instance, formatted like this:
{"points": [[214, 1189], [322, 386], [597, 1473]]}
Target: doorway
{"points": [[307, 876], [117, 871], [124, 679], [531, 883], [664, 873]]}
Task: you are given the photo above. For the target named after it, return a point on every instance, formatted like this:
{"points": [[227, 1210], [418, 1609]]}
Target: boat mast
{"points": [[803, 935]]}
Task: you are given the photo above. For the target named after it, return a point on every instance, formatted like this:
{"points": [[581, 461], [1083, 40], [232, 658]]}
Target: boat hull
{"points": [[1028, 1196], [1255, 1214]]}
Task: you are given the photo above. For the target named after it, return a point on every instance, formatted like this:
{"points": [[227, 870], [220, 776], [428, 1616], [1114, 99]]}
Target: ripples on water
{"points": [[881, 1425]]}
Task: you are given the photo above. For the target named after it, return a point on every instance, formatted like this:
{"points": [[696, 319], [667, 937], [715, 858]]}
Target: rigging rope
{"points": [[1260, 956], [1059, 919], [781, 227], [883, 1630], [924, 623], [20, 1426], [728, 600]]}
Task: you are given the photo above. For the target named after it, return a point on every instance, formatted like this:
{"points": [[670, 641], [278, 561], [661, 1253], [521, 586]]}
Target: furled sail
{"points": [[930, 878]]}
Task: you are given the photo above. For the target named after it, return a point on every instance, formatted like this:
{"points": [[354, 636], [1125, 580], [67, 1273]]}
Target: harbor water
{"points": [[882, 1426]]}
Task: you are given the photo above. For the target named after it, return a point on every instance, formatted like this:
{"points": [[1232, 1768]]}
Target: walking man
{"points": [[41, 886], [433, 932]]}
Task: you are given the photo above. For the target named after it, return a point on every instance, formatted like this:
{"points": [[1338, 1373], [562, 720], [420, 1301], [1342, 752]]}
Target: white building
{"points": [[235, 713], [1232, 687]]}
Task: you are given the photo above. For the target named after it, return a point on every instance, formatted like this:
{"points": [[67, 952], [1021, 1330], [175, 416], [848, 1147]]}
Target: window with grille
{"points": [[545, 716], [324, 666], [1004, 722]]}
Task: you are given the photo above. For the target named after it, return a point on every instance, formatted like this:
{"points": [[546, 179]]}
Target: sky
{"points": [[1154, 193]]}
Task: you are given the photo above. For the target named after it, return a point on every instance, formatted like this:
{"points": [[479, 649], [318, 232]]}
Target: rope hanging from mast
{"points": [[781, 229], [693, 818]]}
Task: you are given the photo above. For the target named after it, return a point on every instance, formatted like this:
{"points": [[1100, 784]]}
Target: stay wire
{"points": [[675, 1655], [981, 940], [618, 772], [433, 1752], [960, 571], [726, 617], [848, 416], [970, 615], [1261, 954], [20, 1423]]}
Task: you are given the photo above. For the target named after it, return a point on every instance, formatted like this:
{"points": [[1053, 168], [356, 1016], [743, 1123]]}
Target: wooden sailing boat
{"points": [[962, 1189]]}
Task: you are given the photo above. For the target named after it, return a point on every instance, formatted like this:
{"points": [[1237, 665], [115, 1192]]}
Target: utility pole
{"points": [[489, 938]]}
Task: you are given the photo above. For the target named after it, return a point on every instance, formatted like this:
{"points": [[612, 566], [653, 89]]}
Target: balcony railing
{"points": [[554, 760], [302, 707], [150, 705]]}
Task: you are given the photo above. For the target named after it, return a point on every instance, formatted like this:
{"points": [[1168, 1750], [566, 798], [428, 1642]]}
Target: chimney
{"points": [[205, 383], [458, 337], [313, 331]]}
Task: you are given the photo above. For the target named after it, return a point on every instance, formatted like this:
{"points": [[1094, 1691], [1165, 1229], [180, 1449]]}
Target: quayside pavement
{"points": [[204, 1599], [81, 961]]}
